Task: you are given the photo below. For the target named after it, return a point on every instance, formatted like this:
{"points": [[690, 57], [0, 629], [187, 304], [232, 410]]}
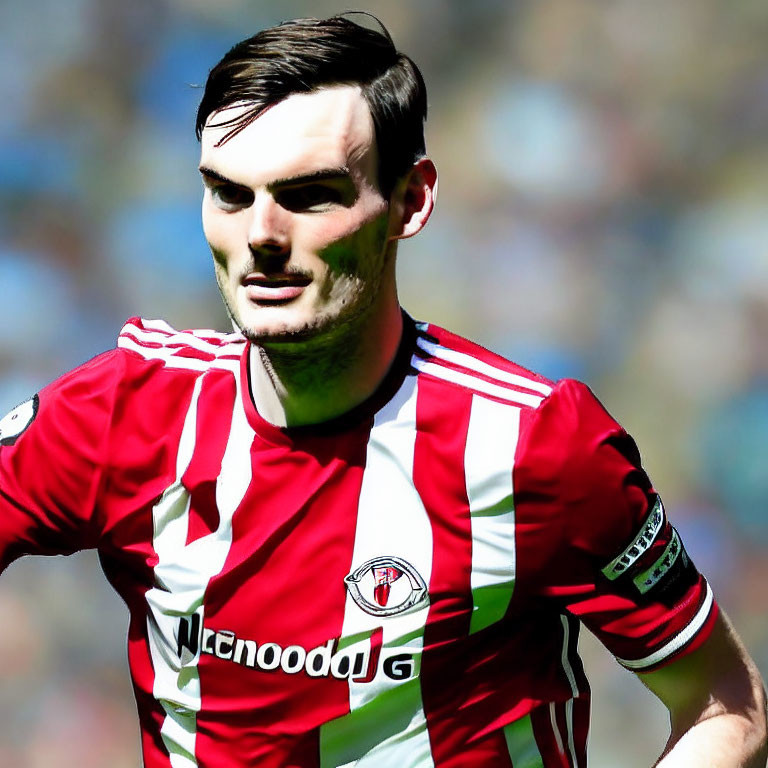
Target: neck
{"points": [[313, 382]]}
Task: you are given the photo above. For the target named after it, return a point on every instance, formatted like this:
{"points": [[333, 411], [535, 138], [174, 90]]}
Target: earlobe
{"points": [[418, 198]]}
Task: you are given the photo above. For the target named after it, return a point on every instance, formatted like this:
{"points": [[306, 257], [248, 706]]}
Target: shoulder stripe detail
{"points": [[155, 325], [167, 355], [212, 345], [476, 384], [479, 366], [677, 642], [639, 545], [215, 337], [181, 346]]}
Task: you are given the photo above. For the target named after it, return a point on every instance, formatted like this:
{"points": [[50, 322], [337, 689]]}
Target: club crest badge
{"points": [[15, 422], [387, 586]]}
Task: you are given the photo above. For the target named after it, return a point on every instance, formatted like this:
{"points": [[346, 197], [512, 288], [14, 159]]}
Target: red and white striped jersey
{"points": [[401, 586]]}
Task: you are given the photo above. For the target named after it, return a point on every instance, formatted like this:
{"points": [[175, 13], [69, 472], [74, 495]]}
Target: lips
{"points": [[280, 288]]}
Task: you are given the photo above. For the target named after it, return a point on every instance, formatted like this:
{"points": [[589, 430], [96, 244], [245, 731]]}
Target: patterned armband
{"points": [[650, 577], [655, 561], [639, 545]]}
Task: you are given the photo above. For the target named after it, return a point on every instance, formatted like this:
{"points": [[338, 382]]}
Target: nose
{"points": [[268, 231]]}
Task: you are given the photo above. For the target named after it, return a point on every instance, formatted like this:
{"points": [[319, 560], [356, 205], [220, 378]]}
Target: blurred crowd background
{"points": [[602, 215]]}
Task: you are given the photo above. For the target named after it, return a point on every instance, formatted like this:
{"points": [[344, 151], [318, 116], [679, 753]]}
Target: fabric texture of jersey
{"points": [[402, 586]]}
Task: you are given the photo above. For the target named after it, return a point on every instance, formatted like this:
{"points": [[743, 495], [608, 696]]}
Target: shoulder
{"points": [[445, 356], [193, 350], [90, 393], [144, 347], [562, 407], [566, 436]]}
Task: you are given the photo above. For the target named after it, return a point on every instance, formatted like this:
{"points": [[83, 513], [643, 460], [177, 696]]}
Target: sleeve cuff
{"points": [[707, 609]]}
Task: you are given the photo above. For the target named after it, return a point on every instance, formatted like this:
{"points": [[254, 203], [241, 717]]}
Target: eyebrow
{"points": [[325, 174]]}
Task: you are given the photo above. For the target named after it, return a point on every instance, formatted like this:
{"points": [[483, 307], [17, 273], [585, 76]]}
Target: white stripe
{"points": [[556, 729], [569, 725], [678, 641], [161, 325], [489, 459], [479, 366], [182, 574], [171, 360], [472, 382], [162, 353], [178, 729], [574, 688], [156, 323], [386, 724], [184, 339], [564, 656]]}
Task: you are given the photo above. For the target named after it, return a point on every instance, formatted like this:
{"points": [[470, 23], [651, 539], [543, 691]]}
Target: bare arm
{"points": [[717, 705]]}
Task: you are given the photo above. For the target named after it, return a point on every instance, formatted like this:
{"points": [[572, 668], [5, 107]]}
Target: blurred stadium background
{"points": [[602, 214]]}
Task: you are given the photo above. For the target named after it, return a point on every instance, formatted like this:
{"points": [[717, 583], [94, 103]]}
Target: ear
{"points": [[415, 196]]}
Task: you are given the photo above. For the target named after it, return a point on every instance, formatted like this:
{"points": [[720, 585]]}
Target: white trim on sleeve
{"points": [[678, 641]]}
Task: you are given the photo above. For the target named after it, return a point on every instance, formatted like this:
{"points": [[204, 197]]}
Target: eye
{"points": [[309, 197], [230, 197]]}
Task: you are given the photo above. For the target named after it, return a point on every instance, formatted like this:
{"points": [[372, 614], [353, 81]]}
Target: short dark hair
{"points": [[303, 55]]}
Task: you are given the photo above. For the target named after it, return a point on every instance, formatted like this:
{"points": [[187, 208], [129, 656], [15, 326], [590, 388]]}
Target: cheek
{"points": [[358, 227], [213, 230], [221, 236], [219, 227], [359, 251], [316, 232]]}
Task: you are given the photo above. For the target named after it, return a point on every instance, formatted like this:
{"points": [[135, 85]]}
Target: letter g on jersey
{"points": [[386, 586], [14, 423]]}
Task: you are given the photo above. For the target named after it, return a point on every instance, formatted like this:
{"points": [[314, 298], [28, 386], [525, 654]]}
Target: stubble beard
{"points": [[329, 342], [312, 355], [322, 342]]}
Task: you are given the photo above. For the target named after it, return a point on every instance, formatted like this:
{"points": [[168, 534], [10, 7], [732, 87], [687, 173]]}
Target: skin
{"points": [[717, 705], [304, 248]]}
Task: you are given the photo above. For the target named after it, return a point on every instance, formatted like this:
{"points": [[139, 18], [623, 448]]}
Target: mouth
{"points": [[274, 289]]}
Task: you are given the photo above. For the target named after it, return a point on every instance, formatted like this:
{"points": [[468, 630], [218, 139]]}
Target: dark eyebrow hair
{"points": [[302, 178], [215, 175]]}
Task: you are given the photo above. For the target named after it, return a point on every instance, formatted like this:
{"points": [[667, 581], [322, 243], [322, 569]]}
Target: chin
{"points": [[267, 323], [294, 324], [288, 332]]}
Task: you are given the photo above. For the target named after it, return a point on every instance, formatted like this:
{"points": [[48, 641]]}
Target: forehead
{"points": [[329, 128]]}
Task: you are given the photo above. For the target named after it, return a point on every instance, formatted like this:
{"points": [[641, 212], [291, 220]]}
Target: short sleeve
{"points": [[608, 552], [52, 452]]}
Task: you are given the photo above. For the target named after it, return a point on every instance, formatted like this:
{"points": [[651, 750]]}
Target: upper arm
{"points": [[614, 559], [51, 454], [620, 566]]}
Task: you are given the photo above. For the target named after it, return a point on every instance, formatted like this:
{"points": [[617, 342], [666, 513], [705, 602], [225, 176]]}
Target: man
{"points": [[344, 537]]}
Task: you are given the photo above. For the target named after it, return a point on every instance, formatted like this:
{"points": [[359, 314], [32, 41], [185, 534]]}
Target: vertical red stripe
{"points": [[214, 422], [145, 439], [546, 740], [446, 681], [293, 537]]}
